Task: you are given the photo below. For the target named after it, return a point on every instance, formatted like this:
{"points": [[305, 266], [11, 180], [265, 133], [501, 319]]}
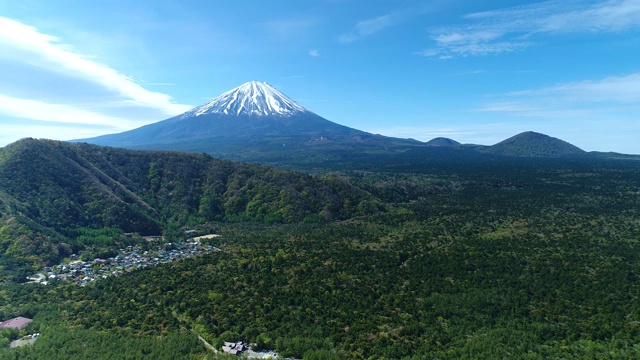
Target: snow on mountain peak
{"points": [[255, 98]]}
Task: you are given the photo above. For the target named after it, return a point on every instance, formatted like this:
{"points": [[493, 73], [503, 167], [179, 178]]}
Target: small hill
{"points": [[442, 141], [532, 144]]}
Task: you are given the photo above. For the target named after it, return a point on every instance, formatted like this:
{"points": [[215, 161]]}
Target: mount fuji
{"points": [[254, 98], [254, 122]]}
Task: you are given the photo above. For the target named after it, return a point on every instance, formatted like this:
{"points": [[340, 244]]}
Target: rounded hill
{"points": [[533, 144]]}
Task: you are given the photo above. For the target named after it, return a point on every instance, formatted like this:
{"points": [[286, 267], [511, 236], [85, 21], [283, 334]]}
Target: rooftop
{"points": [[15, 323]]}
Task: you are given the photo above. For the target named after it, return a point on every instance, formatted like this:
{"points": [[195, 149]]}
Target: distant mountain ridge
{"points": [[255, 122]]}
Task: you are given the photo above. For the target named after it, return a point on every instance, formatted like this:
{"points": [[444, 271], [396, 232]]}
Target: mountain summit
{"points": [[533, 144], [253, 122], [255, 98]]}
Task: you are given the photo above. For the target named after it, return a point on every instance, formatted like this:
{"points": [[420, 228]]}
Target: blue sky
{"points": [[474, 71]]}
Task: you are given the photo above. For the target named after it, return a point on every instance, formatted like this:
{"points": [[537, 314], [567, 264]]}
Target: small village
{"points": [[129, 258]]}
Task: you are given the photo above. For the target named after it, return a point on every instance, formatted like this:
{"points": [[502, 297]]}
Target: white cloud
{"points": [[13, 132], [314, 52], [59, 113], [514, 28], [614, 96], [458, 37], [508, 106], [54, 84], [369, 27], [618, 89], [372, 26], [47, 52]]}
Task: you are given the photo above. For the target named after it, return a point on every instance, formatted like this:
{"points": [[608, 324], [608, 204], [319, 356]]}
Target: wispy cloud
{"points": [[289, 28], [618, 89], [514, 28], [472, 49], [15, 131], [371, 26], [39, 53], [156, 83], [314, 52], [471, 72], [59, 113], [585, 99]]}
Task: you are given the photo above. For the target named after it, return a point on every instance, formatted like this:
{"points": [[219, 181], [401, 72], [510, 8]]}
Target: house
{"points": [[234, 348], [15, 323]]}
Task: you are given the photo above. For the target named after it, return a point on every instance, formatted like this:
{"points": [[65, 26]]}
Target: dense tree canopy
{"points": [[437, 257], [48, 189]]}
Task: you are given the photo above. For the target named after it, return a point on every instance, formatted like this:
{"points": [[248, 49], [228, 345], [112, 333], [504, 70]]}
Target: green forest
{"points": [[50, 191], [430, 254]]}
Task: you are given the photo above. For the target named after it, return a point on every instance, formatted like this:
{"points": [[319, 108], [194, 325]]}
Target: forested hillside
{"points": [[50, 189], [473, 257], [532, 144]]}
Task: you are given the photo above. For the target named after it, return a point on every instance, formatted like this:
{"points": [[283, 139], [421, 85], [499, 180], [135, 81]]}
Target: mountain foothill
{"points": [[49, 187]]}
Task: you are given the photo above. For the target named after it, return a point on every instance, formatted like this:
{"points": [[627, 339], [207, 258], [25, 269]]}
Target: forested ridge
{"points": [[443, 257], [49, 189]]}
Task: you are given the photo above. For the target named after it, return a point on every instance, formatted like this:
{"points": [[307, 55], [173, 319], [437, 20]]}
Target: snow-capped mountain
{"points": [[252, 122], [255, 122], [255, 98]]}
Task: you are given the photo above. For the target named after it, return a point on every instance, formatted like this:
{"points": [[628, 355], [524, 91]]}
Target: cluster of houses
{"points": [[133, 257]]}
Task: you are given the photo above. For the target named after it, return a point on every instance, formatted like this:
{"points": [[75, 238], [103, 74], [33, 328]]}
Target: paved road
{"points": [[206, 343], [18, 343]]}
